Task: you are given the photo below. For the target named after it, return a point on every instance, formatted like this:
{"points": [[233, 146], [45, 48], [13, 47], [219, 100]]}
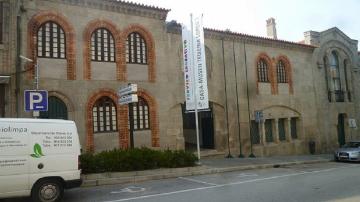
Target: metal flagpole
{"points": [[241, 155], [195, 88]]}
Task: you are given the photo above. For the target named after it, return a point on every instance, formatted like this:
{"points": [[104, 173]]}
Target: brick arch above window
{"points": [[33, 26], [154, 120], [121, 118], [88, 31], [150, 46], [263, 57], [288, 71]]}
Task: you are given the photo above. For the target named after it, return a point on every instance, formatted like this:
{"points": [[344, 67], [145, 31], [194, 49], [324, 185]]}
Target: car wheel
{"points": [[47, 190], [336, 159]]}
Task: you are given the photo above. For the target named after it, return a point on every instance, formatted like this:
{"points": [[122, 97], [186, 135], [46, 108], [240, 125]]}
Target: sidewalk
{"points": [[208, 166]]}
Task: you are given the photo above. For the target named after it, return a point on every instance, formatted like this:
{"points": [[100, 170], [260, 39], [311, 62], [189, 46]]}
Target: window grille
{"points": [[51, 41], [254, 132], [102, 46], [281, 72], [141, 115], [268, 130], [293, 123], [281, 128], [262, 69], [136, 50], [104, 115]]}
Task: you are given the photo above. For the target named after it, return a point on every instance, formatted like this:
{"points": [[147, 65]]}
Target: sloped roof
{"points": [[121, 6], [130, 3], [175, 27]]}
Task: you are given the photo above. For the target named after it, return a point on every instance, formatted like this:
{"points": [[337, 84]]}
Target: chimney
{"points": [[312, 38], [271, 28]]}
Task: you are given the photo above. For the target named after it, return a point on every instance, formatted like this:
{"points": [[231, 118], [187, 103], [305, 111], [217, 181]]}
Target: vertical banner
{"points": [[202, 98], [188, 67], [194, 65]]}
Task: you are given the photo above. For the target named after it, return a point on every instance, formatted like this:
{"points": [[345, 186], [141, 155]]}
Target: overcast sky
{"points": [[293, 17]]}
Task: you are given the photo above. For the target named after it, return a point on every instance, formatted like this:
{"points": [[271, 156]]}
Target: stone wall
{"points": [[79, 82]]}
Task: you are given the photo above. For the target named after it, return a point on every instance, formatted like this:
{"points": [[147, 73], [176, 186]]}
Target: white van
{"points": [[38, 158]]}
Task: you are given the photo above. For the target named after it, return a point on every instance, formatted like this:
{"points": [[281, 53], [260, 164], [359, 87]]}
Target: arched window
{"points": [[102, 46], [335, 76], [141, 115], [281, 72], [104, 115], [335, 71], [262, 70], [326, 66], [51, 41], [346, 80], [56, 109], [136, 50]]}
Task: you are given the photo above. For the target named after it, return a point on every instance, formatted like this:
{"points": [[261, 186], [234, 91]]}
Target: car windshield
{"points": [[351, 145]]}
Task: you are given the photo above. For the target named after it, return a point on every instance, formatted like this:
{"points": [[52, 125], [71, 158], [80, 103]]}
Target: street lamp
{"points": [[37, 70]]}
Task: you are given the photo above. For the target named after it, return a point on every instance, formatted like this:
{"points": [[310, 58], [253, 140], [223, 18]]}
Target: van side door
{"points": [[14, 159]]}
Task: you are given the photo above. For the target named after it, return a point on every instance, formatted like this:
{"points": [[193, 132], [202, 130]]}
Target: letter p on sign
{"points": [[35, 100]]}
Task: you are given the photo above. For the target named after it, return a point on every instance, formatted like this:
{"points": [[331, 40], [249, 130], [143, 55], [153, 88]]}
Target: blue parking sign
{"points": [[36, 100]]}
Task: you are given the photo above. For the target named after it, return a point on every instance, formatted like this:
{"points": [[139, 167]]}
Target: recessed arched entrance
{"points": [[206, 129], [56, 109]]}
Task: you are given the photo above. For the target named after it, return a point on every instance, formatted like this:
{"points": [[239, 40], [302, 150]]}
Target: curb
{"points": [[147, 175]]}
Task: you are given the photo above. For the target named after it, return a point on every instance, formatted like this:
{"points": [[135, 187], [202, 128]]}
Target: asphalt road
{"points": [[309, 182]]}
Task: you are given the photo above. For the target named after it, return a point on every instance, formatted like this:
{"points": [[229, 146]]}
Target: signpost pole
{"points": [[37, 75], [131, 117], [128, 96]]}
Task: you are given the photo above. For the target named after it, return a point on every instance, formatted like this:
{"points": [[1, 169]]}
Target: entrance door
{"points": [[207, 130], [341, 129], [56, 109]]}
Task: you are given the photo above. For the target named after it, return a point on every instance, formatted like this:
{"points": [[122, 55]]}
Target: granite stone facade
{"points": [[313, 102]]}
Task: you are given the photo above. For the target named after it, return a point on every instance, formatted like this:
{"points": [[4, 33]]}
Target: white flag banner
{"points": [[202, 97], [188, 67]]}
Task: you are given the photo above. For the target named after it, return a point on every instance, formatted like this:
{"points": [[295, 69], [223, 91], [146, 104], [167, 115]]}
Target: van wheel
{"points": [[47, 190]]}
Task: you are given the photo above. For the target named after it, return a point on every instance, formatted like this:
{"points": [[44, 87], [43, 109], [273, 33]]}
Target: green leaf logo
{"points": [[37, 151]]}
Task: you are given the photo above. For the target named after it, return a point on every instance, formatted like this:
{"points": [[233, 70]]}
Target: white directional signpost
{"points": [[128, 96]]}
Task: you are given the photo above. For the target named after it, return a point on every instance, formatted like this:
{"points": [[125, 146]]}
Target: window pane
{"points": [[281, 127], [293, 123], [146, 124], [262, 71], [50, 38], [268, 130], [254, 131], [106, 111]]}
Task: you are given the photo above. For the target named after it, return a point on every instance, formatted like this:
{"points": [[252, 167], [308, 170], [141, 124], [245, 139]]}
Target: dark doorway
{"points": [[341, 129], [56, 109], [206, 129]]}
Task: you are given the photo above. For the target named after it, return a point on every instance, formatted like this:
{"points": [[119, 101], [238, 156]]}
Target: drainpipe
{"points": [[248, 103], [226, 101], [18, 63]]}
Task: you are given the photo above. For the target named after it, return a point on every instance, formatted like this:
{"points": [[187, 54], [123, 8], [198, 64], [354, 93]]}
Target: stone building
{"points": [[87, 50]]}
